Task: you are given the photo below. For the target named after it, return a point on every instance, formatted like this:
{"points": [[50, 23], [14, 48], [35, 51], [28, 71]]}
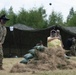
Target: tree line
{"points": [[37, 17]]}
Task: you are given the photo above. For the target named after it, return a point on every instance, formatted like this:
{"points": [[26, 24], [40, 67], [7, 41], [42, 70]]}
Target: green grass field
{"points": [[9, 62]]}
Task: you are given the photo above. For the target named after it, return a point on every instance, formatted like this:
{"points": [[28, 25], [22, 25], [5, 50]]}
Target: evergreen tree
{"points": [[37, 18], [71, 14], [71, 19], [3, 11], [55, 19], [12, 16], [22, 16]]}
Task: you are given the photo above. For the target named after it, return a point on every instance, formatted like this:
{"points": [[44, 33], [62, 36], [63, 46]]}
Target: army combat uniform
{"points": [[2, 38], [73, 47]]}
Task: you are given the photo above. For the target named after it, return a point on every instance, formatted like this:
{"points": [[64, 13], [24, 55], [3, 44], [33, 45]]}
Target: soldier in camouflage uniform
{"points": [[73, 47], [3, 32]]}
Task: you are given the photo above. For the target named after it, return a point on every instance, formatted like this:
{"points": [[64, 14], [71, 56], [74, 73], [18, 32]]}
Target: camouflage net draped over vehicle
{"points": [[49, 59]]}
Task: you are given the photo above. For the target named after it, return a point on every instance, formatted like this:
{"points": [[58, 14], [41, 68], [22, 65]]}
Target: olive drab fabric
{"points": [[2, 38]]}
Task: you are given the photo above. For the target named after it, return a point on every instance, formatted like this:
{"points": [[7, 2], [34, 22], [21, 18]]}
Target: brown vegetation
{"points": [[49, 59]]}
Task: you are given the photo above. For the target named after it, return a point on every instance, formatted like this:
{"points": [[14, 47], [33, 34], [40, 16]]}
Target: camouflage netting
{"points": [[49, 59]]}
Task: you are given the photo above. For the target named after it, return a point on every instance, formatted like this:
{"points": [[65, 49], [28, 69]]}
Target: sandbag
{"points": [[24, 61], [32, 51], [28, 56], [40, 48]]}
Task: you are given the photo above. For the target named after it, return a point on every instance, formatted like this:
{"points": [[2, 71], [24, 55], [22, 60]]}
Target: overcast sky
{"points": [[62, 6]]}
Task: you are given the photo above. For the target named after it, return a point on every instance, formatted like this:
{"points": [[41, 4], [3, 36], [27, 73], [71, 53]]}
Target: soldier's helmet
{"points": [[3, 17]]}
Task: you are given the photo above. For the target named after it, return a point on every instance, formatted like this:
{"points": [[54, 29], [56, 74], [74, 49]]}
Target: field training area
{"points": [[9, 62]]}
